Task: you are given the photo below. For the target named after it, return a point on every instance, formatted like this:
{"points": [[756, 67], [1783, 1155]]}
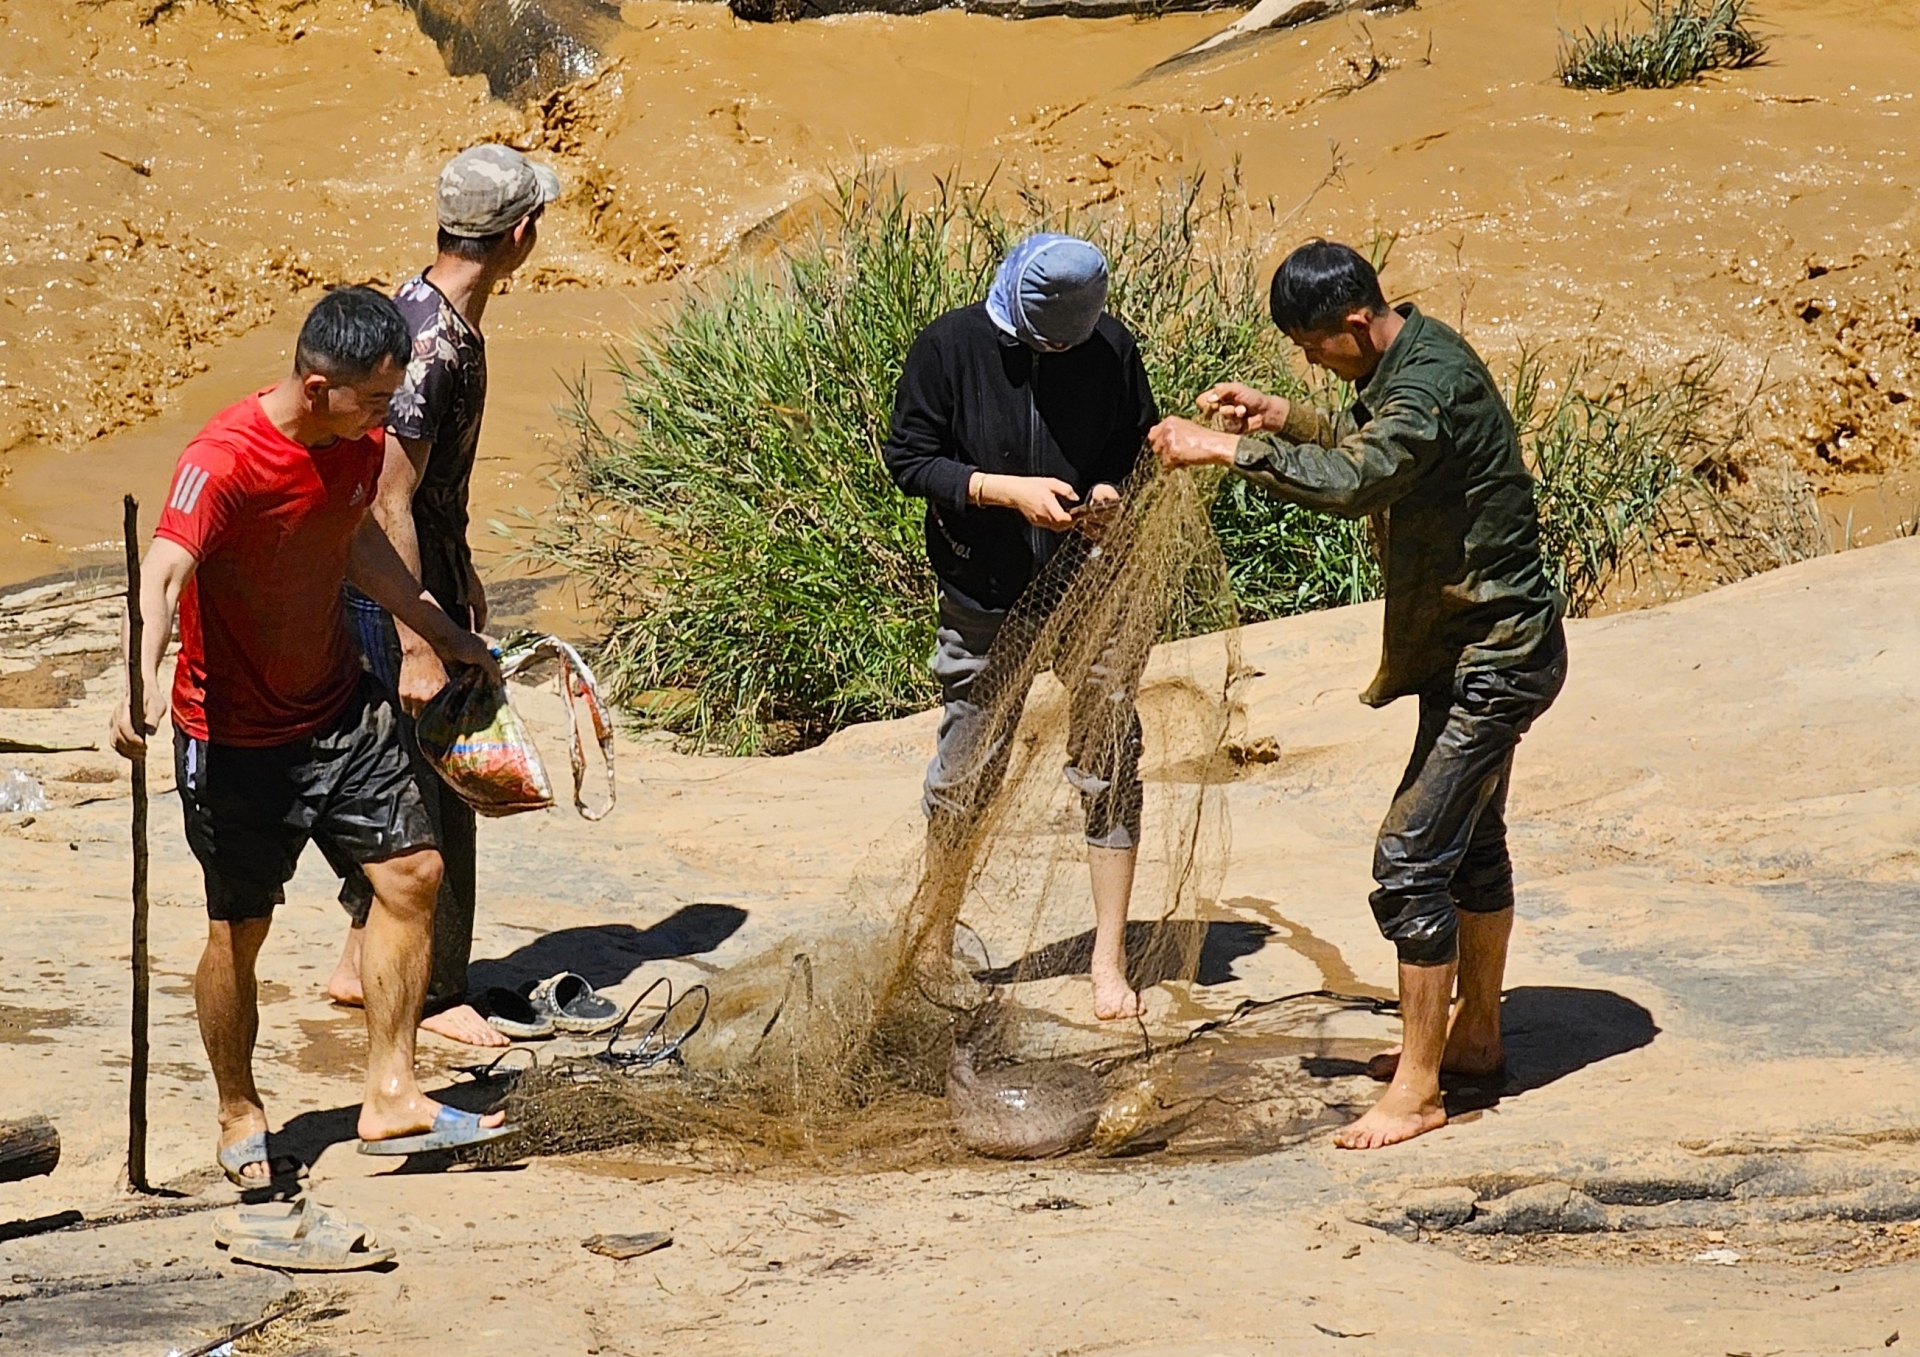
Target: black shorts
{"points": [[250, 812]]}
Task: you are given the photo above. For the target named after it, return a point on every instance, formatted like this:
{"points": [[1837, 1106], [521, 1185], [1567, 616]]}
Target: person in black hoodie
{"points": [[1011, 414]]}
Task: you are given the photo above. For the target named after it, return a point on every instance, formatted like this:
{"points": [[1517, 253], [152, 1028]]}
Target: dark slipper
{"points": [[571, 1004], [515, 1016]]}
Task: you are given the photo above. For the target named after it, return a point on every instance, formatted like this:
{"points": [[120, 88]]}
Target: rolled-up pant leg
{"points": [[1103, 750], [975, 742], [1443, 845], [453, 824], [1483, 883]]}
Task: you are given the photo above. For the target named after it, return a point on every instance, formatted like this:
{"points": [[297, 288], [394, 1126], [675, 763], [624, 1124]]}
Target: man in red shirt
{"points": [[279, 734]]}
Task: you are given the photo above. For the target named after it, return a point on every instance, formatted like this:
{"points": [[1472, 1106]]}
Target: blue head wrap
{"points": [[1049, 291]]}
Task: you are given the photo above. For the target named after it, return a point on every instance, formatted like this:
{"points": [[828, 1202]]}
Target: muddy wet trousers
{"points": [[453, 824], [1443, 845], [970, 760]]}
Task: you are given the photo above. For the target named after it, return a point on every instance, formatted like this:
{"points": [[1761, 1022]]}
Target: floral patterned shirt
{"points": [[440, 403]]}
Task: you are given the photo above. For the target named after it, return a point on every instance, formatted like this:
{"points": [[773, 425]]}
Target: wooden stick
{"points": [[213, 1345], [28, 1149], [137, 712]]}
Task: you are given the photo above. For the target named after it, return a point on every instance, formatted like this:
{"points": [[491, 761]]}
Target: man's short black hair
{"points": [[475, 249], [349, 333], [1320, 283]]}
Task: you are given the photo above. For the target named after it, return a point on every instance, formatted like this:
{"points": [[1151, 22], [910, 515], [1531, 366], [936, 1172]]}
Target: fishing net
{"points": [[953, 1010]]}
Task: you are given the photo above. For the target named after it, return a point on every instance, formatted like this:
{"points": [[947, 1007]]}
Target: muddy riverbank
{"points": [[180, 184]]}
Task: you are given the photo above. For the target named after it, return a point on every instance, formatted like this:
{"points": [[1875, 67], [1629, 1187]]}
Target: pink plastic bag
{"points": [[473, 739]]}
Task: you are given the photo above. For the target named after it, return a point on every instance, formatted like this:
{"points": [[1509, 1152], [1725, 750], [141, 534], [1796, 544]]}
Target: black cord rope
{"points": [[646, 1052]]}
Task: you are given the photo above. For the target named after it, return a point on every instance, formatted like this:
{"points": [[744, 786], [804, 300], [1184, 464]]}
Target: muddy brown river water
{"points": [[173, 192]]}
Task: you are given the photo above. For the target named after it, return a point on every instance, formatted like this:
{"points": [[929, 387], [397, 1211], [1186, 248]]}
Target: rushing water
{"points": [[168, 190]]}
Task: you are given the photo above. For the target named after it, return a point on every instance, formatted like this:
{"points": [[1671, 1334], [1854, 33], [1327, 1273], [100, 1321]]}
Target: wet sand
{"points": [[540, 347], [287, 147]]}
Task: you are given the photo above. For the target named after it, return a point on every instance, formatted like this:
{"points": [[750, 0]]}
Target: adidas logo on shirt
{"points": [[187, 487]]}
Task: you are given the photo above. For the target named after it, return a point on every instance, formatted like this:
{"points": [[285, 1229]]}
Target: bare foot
{"points": [[344, 987], [1471, 1057], [1474, 1052], [409, 1118], [1113, 997], [463, 1023], [1399, 1115], [1385, 1065]]}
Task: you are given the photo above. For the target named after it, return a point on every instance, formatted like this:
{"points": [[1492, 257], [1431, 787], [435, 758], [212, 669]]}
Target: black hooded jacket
{"points": [[970, 399]]}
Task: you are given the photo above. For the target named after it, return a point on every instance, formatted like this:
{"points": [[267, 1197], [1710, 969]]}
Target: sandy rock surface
{"points": [[1708, 1144], [1711, 1030]]}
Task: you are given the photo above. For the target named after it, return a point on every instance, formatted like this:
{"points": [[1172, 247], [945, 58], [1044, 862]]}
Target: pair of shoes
{"points": [[560, 1003], [297, 1236], [253, 1150]]}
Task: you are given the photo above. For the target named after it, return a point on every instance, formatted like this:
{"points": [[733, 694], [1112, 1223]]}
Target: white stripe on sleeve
{"points": [[186, 489]]}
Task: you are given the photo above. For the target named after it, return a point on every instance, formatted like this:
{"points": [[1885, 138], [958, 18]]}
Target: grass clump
{"points": [[1614, 461], [733, 521], [1636, 484], [1682, 40], [761, 580], [762, 583]]}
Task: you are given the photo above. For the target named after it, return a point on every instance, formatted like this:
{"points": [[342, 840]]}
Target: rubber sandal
{"points": [[331, 1246], [271, 1220], [515, 1016], [452, 1130], [570, 1004], [253, 1150]]}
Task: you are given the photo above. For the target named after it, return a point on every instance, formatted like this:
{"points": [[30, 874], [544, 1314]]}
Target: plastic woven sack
{"points": [[473, 738]]}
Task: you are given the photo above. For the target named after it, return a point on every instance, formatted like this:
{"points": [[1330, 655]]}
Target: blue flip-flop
{"points": [[452, 1130], [253, 1150]]}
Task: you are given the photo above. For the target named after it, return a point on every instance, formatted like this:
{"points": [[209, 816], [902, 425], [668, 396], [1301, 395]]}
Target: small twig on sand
{"points": [[143, 168], [213, 1345]]}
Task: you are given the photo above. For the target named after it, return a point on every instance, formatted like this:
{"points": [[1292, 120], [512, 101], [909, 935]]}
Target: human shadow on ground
{"points": [[1550, 1031], [606, 954], [1156, 953]]}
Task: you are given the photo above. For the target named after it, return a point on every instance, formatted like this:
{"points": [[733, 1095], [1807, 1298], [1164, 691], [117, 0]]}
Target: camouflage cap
{"points": [[486, 189]]}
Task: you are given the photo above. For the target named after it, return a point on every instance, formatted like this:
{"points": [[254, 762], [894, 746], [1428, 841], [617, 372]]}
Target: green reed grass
{"points": [[761, 581], [1614, 462], [1681, 41]]}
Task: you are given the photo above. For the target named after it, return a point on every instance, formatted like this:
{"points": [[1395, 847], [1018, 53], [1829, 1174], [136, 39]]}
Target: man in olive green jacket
{"points": [[1428, 451]]}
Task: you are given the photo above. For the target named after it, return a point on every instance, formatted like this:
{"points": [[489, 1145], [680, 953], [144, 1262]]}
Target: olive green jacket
{"points": [[1429, 451]]}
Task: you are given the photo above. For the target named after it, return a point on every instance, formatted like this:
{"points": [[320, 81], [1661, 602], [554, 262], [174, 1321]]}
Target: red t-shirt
{"points": [[265, 657]]}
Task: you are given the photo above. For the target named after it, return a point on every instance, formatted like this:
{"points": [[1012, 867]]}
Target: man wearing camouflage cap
{"points": [[489, 202]]}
